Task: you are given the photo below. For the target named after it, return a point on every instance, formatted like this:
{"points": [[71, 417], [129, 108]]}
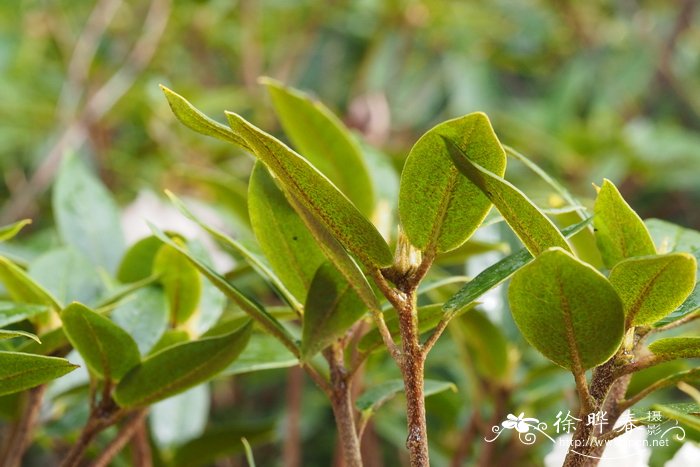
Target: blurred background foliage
{"points": [[587, 89]]}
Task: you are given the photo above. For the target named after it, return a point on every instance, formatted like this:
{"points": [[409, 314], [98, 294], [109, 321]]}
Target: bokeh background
{"points": [[588, 90]]}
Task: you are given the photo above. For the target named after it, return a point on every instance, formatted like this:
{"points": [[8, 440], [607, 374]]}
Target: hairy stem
{"points": [[343, 411]]}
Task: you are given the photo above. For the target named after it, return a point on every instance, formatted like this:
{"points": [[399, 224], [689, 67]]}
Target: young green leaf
{"points": [[51, 343], [676, 347], [283, 236], [8, 334], [181, 282], [11, 312], [620, 233], [331, 308], [23, 288], [689, 417], [20, 371], [497, 273], [137, 263], [253, 258], [87, 217], [180, 367], [109, 352], [439, 208], [7, 232], [323, 140], [197, 121], [653, 286], [532, 226], [567, 310], [321, 198], [247, 304]]}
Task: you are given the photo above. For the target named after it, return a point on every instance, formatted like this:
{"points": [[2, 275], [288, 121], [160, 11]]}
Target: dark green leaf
{"points": [[87, 217], [567, 310], [180, 367], [7, 232], [283, 236], [320, 197], [620, 233], [181, 283], [109, 352], [376, 396], [497, 273], [676, 347], [332, 307], [440, 209], [247, 304], [651, 287], [532, 226], [20, 371], [323, 140], [263, 352]]}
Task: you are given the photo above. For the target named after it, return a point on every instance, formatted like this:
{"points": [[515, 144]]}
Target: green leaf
{"points": [[144, 316], [323, 140], [137, 263], [181, 282], [11, 312], [332, 307], [7, 334], [487, 343], [253, 258], [20, 371], [68, 276], [689, 417], [87, 217], [51, 343], [567, 310], [170, 338], [620, 233], [497, 273], [23, 288], [335, 253], [221, 441], [197, 121], [283, 236], [7, 232], [247, 304], [321, 198], [676, 347], [378, 395], [109, 352], [532, 226], [440, 209], [653, 286], [263, 352], [669, 238], [180, 418], [671, 371], [180, 367]]}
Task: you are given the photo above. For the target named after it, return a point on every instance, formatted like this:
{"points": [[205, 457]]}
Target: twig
{"points": [[128, 430], [679, 322], [23, 433], [393, 296], [291, 450]]}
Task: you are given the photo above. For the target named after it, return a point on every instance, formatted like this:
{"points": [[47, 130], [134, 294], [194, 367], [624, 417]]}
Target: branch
{"points": [[125, 434], [679, 322], [395, 298], [23, 432]]}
